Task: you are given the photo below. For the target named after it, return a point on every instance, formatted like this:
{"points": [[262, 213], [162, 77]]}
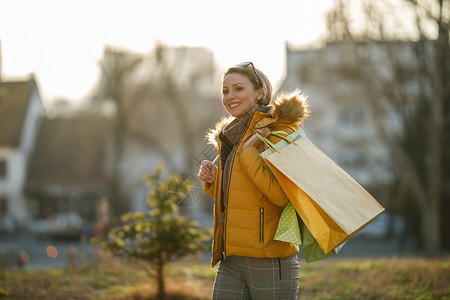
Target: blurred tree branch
{"points": [[160, 102], [408, 79]]}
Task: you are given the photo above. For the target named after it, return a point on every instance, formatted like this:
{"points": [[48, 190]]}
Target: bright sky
{"points": [[62, 41]]}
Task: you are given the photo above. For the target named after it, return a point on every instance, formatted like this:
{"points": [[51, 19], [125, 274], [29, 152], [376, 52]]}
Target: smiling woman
{"points": [[248, 200], [244, 88], [239, 96]]}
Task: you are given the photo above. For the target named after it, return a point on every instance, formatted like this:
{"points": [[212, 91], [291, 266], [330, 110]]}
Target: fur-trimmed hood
{"points": [[291, 106]]}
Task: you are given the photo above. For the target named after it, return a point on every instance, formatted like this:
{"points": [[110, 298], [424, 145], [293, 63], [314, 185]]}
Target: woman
{"points": [[248, 200]]}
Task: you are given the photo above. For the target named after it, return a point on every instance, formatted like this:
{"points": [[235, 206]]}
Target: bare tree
{"points": [[408, 76], [115, 70], [177, 86], [163, 101]]}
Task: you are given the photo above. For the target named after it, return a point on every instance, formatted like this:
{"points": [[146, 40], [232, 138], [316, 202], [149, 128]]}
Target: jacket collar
{"points": [[237, 127], [291, 107]]}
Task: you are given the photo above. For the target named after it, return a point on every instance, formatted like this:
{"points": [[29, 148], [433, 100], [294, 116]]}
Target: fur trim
{"points": [[213, 133], [292, 106]]}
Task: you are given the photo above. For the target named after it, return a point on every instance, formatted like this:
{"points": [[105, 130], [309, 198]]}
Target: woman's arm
{"points": [[254, 167]]}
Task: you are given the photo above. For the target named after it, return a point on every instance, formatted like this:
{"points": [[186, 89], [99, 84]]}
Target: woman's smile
{"points": [[238, 95]]}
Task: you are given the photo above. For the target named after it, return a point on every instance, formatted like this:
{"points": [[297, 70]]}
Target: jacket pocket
{"points": [[261, 224]]}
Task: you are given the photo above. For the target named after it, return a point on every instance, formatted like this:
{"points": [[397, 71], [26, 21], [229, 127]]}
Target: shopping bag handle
{"points": [[267, 142], [275, 133], [285, 138]]}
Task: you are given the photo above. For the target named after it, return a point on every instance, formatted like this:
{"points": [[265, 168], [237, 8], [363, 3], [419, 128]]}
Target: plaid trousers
{"points": [[241, 277]]}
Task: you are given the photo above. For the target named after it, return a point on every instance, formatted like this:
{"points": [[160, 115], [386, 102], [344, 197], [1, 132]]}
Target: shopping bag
{"points": [[288, 228], [330, 202], [292, 229]]}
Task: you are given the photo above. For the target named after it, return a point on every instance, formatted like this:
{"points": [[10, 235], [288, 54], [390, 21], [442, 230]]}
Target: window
{"points": [[3, 169], [352, 158], [3, 206], [351, 117]]}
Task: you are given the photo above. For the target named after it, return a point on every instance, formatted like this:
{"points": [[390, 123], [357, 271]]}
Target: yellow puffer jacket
{"points": [[255, 199]]}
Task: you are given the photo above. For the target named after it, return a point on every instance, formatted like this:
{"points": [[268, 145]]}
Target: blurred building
{"points": [[48, 165], [342, 124], [21, 112], [146, 108], [70, 166]]}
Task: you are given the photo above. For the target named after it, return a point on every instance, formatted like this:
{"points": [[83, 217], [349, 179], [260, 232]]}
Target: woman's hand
{"points": [[255, 140], [207, 171]]}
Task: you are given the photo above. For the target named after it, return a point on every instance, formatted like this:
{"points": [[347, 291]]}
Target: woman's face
{"points": [[239, 95]]}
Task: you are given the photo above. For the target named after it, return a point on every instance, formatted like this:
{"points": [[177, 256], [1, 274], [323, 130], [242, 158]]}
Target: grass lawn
{"points": [[328, 279], [376, 279]]}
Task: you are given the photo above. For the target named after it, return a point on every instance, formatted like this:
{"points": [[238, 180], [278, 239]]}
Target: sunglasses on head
{"points": [[249, 63]]}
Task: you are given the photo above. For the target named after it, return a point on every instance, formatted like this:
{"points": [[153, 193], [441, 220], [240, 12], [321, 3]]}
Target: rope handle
{"points": [[286, 139], [275, 133], [267, 142]]}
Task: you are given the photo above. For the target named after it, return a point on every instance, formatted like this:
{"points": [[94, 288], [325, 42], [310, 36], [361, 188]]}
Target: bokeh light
{"points": [[52, 251]]}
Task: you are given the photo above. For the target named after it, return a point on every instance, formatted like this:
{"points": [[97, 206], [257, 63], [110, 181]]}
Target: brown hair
{"points": [[263, 83]]}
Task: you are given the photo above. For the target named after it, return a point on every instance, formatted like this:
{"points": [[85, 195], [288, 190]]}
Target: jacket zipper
{"points": [[224, 256], [261, 224]]}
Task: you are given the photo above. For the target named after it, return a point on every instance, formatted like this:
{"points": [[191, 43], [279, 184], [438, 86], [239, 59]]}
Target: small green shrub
{"points": [[161, 235], [3, 293]]}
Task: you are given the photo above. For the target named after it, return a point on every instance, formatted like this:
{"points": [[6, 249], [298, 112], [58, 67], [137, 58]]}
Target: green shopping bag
{"points": [[310, 247], [292, 229], [288, 229]]}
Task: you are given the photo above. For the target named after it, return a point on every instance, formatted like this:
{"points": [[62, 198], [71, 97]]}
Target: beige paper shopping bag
{"points": [[330, 202]]}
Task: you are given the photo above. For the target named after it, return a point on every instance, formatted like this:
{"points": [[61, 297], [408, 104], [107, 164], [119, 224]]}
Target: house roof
{"points": [[14, 101], [70, 152]]}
